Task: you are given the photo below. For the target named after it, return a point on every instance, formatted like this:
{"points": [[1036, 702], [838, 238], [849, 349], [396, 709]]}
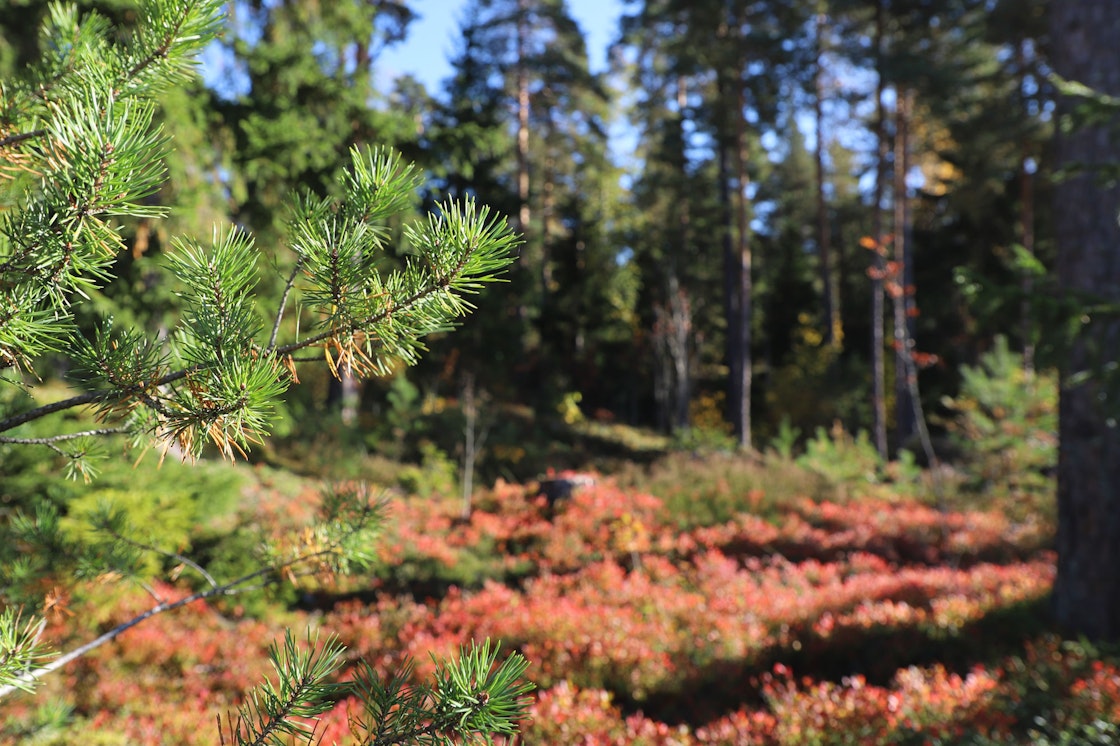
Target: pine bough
{"points": [[79, 153]]}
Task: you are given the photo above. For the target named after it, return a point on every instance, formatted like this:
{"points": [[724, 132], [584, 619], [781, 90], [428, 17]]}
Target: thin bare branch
{"points": [[67, 436], [164, 553], [231, 588], [283, 303], [21, 137]]}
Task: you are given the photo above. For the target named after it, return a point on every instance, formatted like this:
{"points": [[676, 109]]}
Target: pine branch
{"points": [[288, 287], [98, 156], [50, 440], [21, 137], [164, 47], [472, 695], [231, 588], [303, 692], [20, 648], [162, 552], [442, 281], [348, 517]]}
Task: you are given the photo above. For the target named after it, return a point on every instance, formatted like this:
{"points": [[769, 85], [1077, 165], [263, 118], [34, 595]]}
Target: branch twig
{"points": [[283, 302], [228, 589], [67, 436]]}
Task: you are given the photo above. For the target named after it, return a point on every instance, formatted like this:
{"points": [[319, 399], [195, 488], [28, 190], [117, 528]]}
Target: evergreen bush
{"points": [[1006, 424]]}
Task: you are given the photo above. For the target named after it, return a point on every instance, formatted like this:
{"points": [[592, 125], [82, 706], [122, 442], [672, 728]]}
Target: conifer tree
{"points": [[1086, 592], [78, 154], [525, 113]]}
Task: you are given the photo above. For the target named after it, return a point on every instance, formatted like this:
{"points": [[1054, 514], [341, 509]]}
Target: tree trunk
{"points": [[672, 336], [344, 395], [547, 185], [523, 215], [742, 262], [878, 353], [682, 308], [901, 283], [829, 286], [1087, 591], [1026, 215], [731, 296]]}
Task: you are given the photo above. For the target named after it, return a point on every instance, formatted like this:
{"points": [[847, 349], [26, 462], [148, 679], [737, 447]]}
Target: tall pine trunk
{"points": [[679, 306], [1026, 214], [902, 282], [523, 214], [737, 286], [1087, 591], [878, 353], [829, 286], [731, 296], [743, 269]]}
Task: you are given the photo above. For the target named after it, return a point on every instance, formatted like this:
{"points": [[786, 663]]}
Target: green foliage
{"points": [[47, 724], [1006, 425], [338, 541], [99, 520], [276, 711], [842, 458], [79, 151], [471, 697], [399, 421], [217, 376], [436, 474], [705, 490], [20, 647], [78, 127], [783, 443], [708, 430], [851, 464], [816, 385], [703, 440], [172, 505]]}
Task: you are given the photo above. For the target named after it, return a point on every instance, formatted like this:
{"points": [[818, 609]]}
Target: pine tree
{"points": [[737, 52], [1086, 592], [669, 198], [525, 113], [78, 154]]}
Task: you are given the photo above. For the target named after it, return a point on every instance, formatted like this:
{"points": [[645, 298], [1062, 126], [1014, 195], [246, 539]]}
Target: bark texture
{"points": [[1087, 594]]}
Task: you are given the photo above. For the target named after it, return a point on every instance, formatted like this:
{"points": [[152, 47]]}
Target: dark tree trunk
{"points": [[730, 293], [1026, 214], [523, 214], [901, 285], [878, 368], [1087, 592], [678, 300], [343, 395], [743, 270], [829, 287]]}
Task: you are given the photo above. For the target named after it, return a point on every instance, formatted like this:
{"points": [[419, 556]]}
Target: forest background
{"points": [[835, 229], [725, 277]]}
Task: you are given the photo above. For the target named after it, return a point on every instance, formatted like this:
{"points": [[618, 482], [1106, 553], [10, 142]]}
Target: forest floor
{"points": [[680, 599]]}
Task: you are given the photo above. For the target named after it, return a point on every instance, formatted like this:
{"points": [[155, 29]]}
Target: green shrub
{"points": [[1006, 425], [816, 384], [436, 474], [785, 440], [842, 458], [703, 490]]}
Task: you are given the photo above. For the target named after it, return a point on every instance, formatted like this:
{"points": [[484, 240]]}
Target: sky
{"points": [[431, 38]]}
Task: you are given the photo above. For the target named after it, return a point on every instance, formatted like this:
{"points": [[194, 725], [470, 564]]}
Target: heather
{"points": [[873, 619]]}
